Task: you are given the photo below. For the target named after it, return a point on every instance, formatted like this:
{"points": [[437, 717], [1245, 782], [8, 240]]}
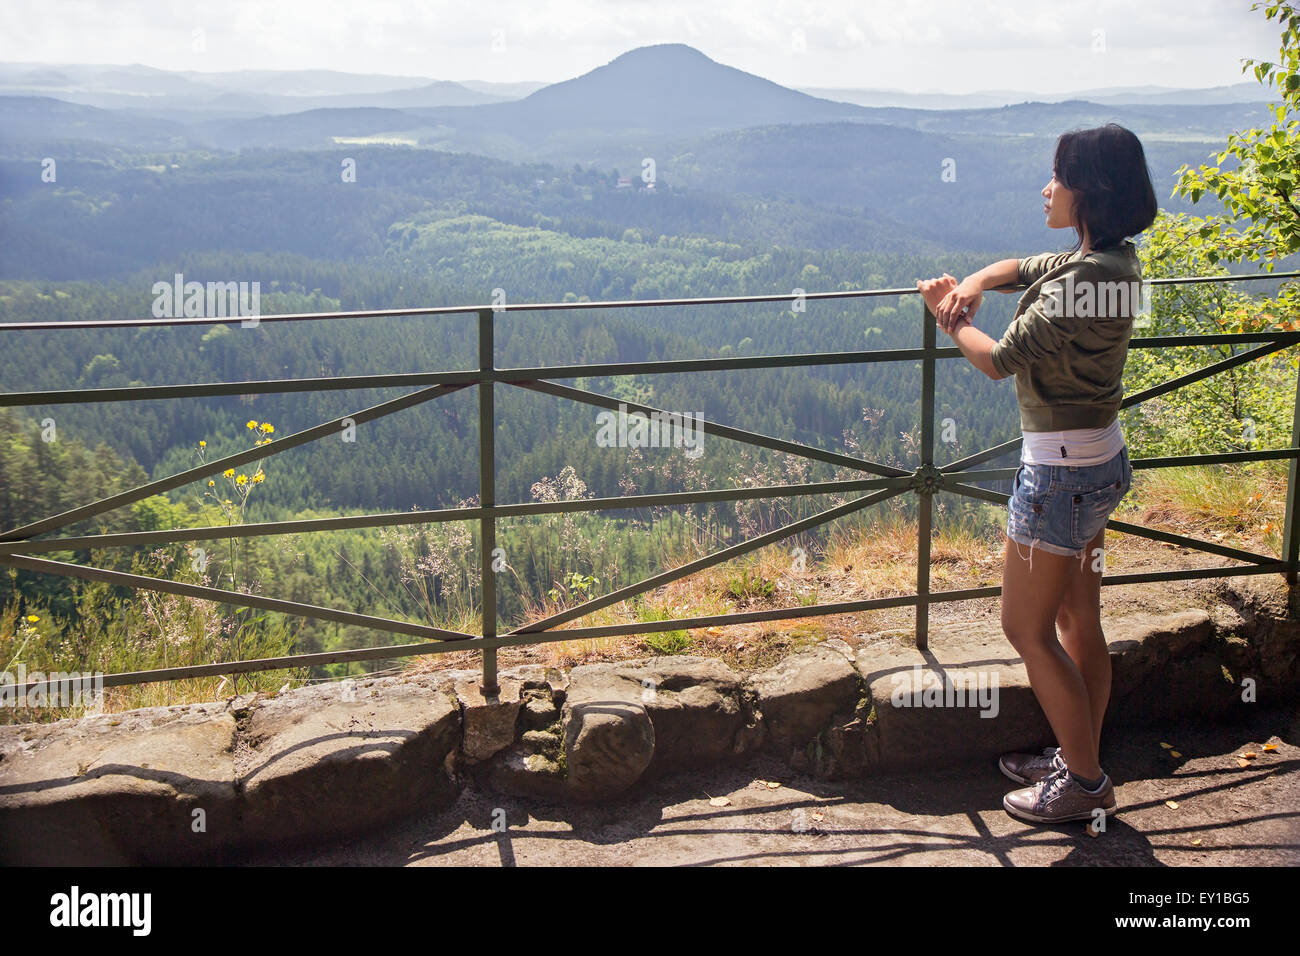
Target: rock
{"points": [[608, 738], [676, 712], [842, 646], [930, 706], [841, 750], [529, 676], [520, 773], [798, 696], [541, 742], [488, 721], [558, 681], [316, 766], [118, 789], [1187, 654], [1271, 611], [695, 705], [538, 711], [325, 762]]}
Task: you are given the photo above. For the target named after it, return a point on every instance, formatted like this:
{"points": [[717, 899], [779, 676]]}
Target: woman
{"points": [[1066, 348]]}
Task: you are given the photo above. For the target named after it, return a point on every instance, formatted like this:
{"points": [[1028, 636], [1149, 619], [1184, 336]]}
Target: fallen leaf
{"points": [[1250, 755], [1242, 763], [1090, 831], [818, 816], [719, 801], [1174, 753], [1270, 747], [1172, 805], [1166, 746], [773, 785], [1196, 842]]}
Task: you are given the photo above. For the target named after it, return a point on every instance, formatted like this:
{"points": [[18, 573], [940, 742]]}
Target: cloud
{"points": [[956, 45]]}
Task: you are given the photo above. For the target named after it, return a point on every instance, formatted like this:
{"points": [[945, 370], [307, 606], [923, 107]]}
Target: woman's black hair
{"points": [[1106, 169]]}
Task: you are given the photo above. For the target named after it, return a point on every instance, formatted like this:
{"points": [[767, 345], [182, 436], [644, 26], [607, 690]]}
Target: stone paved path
{"points": [[1241, 817]]}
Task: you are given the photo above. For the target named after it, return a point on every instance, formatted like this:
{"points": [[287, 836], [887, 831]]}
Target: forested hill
{"points": [[427, 456], [725, 185], [852, 207], [692, 200]]}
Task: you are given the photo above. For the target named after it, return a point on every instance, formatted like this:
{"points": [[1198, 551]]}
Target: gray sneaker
{"points": [[1031, 768], [1058, 798]]}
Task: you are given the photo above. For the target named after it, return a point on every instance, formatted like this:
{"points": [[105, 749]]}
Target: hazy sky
{"points": [[1046, 46]]}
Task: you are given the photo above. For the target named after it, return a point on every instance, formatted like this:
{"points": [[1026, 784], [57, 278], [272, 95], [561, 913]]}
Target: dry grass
{"points": [[1239, 506]]}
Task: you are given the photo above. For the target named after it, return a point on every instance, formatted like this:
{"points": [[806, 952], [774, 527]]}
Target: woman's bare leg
{"points": [[1031, 601], [1079, 624]]}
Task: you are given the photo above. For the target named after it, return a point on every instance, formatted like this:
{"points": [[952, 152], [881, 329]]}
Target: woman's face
{"points": [[1058, 205]]}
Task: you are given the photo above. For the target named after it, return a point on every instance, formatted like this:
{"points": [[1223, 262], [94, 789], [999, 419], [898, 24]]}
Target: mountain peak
{"points": [[662, 51], [669, 87]]}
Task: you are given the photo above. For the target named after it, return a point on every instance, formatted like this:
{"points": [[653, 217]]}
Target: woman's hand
{"points": [[939, 296], [961, 303], [935, 291]]}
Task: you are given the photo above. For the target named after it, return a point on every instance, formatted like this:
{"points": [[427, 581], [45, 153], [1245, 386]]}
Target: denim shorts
{"points": [[1060, 508]]}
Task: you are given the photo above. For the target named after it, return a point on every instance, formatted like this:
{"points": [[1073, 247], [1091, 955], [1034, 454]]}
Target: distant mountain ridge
{"points": [[288, 91], [670, 85], [247, 92], [992, 99]]}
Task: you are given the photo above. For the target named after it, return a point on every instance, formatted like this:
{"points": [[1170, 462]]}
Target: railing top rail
{"points": [[553, 306]]}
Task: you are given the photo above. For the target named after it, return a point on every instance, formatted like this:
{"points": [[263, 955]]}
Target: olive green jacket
{"points": [[1068, 341]]}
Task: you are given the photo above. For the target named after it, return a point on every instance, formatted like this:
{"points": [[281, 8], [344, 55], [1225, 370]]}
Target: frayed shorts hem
{"points": [[1080, 553], [1049, 547]]}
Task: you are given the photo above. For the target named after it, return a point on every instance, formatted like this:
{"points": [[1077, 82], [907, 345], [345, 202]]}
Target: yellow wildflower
{"points": [[241, 480], [228, 473], [259, 477], [252, 424], [211, 484], [203, 444], [32, 618], [267, 427]]}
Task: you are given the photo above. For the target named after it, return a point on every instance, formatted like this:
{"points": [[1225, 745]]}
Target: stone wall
{"points": [[205, 782]]}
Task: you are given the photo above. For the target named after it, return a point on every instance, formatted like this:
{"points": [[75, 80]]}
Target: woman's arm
{"points": [[963, 301], [1002, 272], [974, 344], [977, 347]]}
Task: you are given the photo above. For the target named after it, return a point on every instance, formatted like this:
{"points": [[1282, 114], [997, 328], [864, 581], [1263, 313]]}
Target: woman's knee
{"points": [[1023, 635], [1083, 621]]}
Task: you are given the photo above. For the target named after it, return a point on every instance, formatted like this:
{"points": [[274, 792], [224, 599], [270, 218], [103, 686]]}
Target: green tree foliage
{"points": [[1250, 406]]}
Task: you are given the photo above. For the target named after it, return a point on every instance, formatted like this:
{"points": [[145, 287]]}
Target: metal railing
{"points": [[19, 546]]}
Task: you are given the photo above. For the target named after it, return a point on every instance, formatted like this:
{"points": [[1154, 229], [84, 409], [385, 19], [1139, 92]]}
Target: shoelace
{"points": [[1053, 761], [1051, 787]]}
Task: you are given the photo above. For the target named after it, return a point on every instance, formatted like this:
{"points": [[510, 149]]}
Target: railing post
{"points": [[924, 487], [487, 495], [1291, 524]]}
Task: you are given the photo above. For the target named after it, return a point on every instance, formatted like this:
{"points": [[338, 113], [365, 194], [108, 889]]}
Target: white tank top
{"points": [[1074, 446]]}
